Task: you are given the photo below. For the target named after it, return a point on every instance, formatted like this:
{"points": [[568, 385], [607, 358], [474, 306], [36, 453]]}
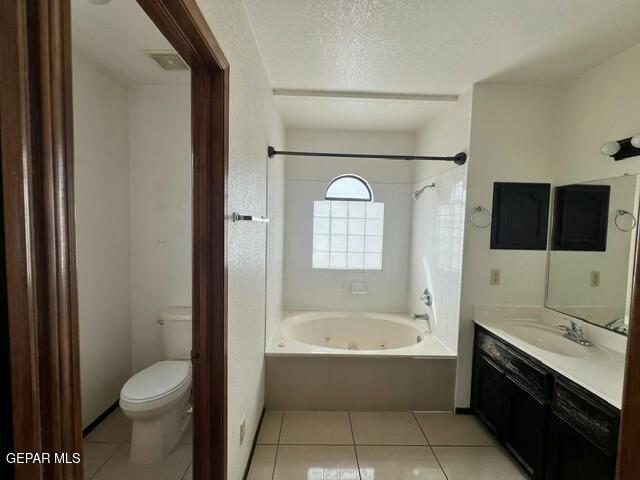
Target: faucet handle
{"points": [[426, 297], [576, 327]]}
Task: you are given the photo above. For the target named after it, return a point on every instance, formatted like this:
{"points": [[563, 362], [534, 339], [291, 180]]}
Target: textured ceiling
{"points": [[116, 36], [436, 46], [356, 114]]}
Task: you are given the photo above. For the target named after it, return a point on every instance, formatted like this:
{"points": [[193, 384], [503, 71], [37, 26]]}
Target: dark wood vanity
{"points": [[556, 429]]}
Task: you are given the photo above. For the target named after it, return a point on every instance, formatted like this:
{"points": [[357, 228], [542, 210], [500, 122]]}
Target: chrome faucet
{"points": [[575, 334], [420, 316]]}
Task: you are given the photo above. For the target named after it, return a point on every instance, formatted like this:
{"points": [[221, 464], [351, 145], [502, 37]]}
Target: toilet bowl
{"points": [[157, 399]]}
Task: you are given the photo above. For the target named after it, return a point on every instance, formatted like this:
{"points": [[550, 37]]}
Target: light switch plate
{"points": [[595, 278], [494, 277]]}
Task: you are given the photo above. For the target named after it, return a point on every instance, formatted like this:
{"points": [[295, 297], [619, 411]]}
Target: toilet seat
{"points": [[156, 386]]}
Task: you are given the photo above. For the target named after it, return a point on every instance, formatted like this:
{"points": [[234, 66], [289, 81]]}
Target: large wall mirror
{"points": [[593, 251]]}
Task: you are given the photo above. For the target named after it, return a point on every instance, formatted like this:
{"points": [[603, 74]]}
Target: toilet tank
{"points": [[176, 332]]}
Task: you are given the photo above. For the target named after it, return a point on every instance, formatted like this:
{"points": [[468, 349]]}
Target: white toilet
{"points": [[157, 399]]}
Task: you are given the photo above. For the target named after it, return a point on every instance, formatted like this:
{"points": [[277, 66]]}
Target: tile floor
{"points": [[106, 455], [297, 445]]}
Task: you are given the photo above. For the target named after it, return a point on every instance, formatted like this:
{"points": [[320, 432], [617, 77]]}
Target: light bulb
{"points": [[635, 141], [610, 148]]}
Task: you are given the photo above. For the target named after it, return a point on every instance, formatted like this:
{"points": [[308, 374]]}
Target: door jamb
{"points": [[36, 148]]}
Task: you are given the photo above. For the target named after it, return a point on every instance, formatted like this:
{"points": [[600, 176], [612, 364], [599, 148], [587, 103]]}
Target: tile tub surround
{"points": [[601, 373], [105, 454], [287, 342], [356, 383], [369, 452]]}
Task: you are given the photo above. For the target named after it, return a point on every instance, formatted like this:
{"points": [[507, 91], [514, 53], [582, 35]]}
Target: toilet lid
{"points": [[157, 381]]}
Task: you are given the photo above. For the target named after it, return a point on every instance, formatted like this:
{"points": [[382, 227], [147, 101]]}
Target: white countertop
{"points": [[601, 371]]}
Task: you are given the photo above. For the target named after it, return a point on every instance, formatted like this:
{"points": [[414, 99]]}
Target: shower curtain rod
{"points": [[458, 159]]}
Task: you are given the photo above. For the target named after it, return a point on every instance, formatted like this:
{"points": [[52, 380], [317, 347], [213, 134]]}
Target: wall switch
{"points": [[243, 429], [595, 278], [494, 277]]}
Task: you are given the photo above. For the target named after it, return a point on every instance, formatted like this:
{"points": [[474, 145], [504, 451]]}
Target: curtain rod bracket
{"points": [[458, 159]]}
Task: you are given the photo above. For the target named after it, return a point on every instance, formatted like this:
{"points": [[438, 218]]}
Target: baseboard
{"points": [[92, 426], [253, 446], [463, 411]]}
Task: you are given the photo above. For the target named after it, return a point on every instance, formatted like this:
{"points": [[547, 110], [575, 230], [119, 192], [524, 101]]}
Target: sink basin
{"points": [[546, 338]]}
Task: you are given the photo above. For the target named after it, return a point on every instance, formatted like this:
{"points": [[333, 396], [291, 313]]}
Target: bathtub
{"points": [[347, 334]]}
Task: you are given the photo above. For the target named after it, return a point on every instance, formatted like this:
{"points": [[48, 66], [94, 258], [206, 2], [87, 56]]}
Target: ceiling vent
{"points": [[168, 59]]}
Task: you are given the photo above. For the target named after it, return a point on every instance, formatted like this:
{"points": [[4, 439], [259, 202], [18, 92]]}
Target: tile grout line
{"points": [[355, 450], [275, 460], [424, 434], [184, 474], [108, 458], [433, 452], [438, 460]]}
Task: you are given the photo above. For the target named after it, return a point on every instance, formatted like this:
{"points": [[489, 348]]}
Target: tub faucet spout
{"points": [[420, 316]]}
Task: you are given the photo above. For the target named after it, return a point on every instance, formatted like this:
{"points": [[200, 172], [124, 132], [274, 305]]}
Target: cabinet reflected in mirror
{"points": [[593, 251]]}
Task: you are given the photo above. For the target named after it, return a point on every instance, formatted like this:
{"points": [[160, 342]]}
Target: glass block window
{"points": [[347, 235]]}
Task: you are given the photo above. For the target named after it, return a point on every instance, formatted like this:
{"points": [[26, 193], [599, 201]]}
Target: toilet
{"points": [[158, 398]]}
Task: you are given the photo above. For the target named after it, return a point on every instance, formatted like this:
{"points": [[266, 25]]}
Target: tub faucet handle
{"points": [[426, 297]]}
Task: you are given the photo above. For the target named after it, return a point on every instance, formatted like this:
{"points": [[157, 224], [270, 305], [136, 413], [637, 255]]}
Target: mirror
{"points": [[593, 251]]}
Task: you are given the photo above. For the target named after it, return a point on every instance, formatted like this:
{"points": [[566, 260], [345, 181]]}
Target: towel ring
{"points": [[622, 213], [474, 217]]}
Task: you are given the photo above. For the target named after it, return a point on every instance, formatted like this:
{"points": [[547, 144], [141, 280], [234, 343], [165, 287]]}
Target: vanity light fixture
{"points": [[621, 149], [610, 148]]}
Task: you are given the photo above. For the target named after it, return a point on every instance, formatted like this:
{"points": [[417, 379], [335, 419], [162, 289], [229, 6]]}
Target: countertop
{"points": [[600, 372]]}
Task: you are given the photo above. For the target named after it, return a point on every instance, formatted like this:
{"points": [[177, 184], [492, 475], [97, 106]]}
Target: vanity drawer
{"points": [[591, 417], [522, 371]]}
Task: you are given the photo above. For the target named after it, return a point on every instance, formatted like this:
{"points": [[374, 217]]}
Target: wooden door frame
{"points": [[36, 148], [628, 463]]}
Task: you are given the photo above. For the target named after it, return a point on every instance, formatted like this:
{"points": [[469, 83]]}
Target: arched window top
{"points": [[349, 187]]}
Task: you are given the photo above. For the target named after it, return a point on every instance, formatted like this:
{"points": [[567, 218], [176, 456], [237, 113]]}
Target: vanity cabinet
{"points": [[488, 383], [554, 428]]}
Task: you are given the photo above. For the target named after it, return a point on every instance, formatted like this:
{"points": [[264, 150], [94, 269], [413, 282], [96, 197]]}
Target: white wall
{"points": [[513, 133], [102, 234], [438, 220], [160, 192], [599, 106], [253, 125], [446, 134], [307, 180]]}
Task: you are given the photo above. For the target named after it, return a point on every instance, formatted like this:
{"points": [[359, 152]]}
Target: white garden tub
{"points": [[317, 333]]}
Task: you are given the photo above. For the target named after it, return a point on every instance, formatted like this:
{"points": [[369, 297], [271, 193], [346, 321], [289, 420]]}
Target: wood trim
{"points": [[36, 114], [628, 464], [182, 23], [36, 140]]}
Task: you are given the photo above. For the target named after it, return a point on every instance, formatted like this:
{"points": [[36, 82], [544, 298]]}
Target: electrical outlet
{"points": [[243, 429], [494, 277], [595, 278]]}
